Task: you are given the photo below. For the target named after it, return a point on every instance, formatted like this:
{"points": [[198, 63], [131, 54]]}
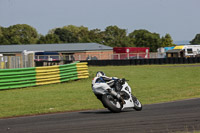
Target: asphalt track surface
{"points": [[169, 117]]}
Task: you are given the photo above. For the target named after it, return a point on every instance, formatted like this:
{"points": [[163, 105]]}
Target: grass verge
{"points": [[150, 84]]}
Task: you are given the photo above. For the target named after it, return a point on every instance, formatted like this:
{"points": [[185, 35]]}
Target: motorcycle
{"points": [[110, 101]]}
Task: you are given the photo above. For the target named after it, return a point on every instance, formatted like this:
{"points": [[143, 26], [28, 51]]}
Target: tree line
{"points": [[112, 36]]}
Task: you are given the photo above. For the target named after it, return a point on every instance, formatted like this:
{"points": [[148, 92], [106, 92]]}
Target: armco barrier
{"points": [[26, 77], [144, 61]]}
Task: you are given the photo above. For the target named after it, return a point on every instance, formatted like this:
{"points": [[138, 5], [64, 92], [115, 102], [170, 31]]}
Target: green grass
{"points": [[150, 84]]}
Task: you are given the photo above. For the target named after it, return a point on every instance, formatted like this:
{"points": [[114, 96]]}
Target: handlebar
{"points": [[124, 79]]}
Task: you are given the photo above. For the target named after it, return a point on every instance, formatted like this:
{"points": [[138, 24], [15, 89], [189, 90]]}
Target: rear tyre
{"points": [[111, 103], [137, 104]]}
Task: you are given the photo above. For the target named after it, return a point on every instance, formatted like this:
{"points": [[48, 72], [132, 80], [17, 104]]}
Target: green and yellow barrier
{"points": [[26, 77]]}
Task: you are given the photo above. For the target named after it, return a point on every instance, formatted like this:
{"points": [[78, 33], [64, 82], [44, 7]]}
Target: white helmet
{"points": [[100, 73]]}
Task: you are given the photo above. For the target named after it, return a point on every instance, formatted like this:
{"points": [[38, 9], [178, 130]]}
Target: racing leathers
{"points": [[107, 83]]}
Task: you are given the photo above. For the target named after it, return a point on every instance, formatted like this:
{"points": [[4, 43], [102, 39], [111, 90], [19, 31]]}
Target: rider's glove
{"points": [[123, 80]]}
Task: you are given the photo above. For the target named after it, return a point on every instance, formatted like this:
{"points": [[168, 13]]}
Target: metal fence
{"points": [[29, 60], [102, 56], [9, 62]]}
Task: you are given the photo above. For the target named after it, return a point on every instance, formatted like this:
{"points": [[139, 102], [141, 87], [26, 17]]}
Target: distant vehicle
{"points": [[135, 57], [91, 58], [47, 56], [192, 50], [131, 52], [184, 51]]}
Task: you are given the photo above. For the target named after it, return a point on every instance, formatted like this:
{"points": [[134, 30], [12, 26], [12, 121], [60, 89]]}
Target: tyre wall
{"points": [[144, 61], [27, 77]]}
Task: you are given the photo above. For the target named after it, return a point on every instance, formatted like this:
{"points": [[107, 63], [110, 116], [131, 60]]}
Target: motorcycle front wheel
{"points": [[111, 103], [137, 104]]}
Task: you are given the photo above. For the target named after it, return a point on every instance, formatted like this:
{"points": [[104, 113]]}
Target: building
{"points": [[69, 51], [131, 52]]}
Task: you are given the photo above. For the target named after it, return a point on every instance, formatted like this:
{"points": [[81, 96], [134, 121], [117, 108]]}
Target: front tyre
{"points": [[137, 104], [111, 103]]}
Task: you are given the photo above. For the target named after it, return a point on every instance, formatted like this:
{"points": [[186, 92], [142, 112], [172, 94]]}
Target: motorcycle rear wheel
{"points": [[111, 103]]}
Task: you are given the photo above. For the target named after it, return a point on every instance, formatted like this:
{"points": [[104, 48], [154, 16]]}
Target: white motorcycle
{"points": [[113, 103]]}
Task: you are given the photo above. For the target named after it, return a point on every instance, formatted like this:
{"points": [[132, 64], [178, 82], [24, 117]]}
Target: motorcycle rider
{"points": [[108, 83]]}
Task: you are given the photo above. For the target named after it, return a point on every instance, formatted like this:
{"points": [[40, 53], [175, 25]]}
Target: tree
{"points": [[96, 35], [48, 39], [196, 40], [167, 41], [83, 36], [81, 33], [3, 39], [1, 34], [65, 35], [21, 34], [114, 36], [144, 38]]}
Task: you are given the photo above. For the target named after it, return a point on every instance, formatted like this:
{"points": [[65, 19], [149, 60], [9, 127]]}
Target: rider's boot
{"points": [[112, 92], [121, 99]]}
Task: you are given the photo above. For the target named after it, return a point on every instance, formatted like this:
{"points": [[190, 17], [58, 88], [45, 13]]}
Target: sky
{"points": [[179, 18]]}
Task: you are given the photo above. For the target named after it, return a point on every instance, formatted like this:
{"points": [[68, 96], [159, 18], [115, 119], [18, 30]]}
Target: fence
{"points": [[9, 62], [121, 56], [33, 76]]}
